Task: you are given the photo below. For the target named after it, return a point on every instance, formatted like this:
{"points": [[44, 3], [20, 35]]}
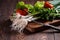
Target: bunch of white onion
{"points": [[20, 22]]}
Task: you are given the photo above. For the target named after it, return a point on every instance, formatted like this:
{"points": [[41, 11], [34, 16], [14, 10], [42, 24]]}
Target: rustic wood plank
{"points": [[40, 36], [17, 36], [37, 36], [50, 36], [6, 9], [57, 36]]}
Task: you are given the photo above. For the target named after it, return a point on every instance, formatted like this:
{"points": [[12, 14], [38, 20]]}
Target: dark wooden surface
{"points": [[6, 9]]}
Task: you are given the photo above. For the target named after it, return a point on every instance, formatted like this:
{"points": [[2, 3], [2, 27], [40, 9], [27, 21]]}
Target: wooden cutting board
{"points": [[32, 26]]}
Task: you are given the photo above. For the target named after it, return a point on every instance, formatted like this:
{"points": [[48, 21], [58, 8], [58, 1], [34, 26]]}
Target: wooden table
{"points": [[6, 8]]}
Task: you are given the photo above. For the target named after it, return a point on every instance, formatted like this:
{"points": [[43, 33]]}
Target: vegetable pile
{"points": [[41, 10]]}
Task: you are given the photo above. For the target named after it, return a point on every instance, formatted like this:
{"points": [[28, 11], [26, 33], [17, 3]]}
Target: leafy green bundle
{"points": [[37, 10]]}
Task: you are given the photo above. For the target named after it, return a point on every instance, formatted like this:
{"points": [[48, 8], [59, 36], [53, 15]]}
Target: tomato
{"points": [[48, 5], [21, 12]]}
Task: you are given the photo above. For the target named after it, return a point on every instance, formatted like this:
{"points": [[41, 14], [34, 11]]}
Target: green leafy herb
{"points": [[29, 7], [38, 11], [20, 5], [38, 5]]}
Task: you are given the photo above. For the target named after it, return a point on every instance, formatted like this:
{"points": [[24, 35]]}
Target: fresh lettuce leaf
{"points": [[29, 7], [39, 5], [20, 5]]}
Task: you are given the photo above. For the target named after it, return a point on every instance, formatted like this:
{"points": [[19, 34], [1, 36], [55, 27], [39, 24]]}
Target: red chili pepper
{"points": [[18, 11], [21, 12], [48, 5]]}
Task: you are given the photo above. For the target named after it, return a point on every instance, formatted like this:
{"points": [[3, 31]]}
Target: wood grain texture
{"points": [[37, 36], [57, 36], [6, 9]]}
